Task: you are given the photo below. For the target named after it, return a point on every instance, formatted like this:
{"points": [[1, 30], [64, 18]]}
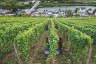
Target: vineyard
{"points": [[23, 40]]}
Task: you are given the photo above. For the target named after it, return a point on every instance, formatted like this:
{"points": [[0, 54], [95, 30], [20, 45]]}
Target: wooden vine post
{"points": [[53, 58], [89, 54], [66, 35], [16, 51]]}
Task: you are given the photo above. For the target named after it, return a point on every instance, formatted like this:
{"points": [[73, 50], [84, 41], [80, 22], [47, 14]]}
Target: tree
{"points": [[89, 9], [30, 3], [94, 11], [69, 13], [10, 4], [77, 9], [59, 10]]}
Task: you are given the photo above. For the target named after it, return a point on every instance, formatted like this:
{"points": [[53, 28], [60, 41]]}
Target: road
{"points": [[32, 9]]}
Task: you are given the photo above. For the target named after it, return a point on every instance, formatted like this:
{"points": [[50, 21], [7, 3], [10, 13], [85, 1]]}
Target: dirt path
{"points": [[39, 48], [35, 52], [63, 57], [9, 58], [58, 58], [41, 58]]}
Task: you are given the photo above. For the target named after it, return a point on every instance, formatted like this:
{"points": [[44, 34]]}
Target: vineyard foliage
{"points": [[54, 39], [78, 42], [22, 32], [18, 33], [83, 25], [25, 40]]}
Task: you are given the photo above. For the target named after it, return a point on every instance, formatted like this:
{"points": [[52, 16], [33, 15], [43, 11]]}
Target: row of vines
{"points": [[53, 39], [77, 42], [20, 33], [87, 26]]}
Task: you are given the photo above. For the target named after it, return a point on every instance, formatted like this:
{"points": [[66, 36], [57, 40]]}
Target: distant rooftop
{"points": [[83, 8]]}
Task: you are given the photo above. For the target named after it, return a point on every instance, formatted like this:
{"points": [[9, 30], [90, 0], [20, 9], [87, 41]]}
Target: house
{"points": [[90, 11], [74, 13], [35, 13], [95, 13], [45, 11], [83, 13], [18, 13], [45, 14], [63, 12], [55, 14], [49, 13], [32, 13], [60, 13], [23, 11], [82, 9], [4, 11]]}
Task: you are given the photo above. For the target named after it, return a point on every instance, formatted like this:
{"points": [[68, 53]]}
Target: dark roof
{"points": [[55, 12], [62, 11], [83, 8], [44, 13], [90, 9], [33, 12]]}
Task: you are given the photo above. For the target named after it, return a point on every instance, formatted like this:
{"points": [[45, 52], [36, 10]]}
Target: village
{"points": [[81, 12]]}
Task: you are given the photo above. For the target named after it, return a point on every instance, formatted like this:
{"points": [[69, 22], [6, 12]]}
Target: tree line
{"points": [[9, 0], [14, 5]]}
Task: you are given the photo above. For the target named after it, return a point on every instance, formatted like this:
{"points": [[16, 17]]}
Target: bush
{"points": [[69, 13], [25, 15], [60, 16]]}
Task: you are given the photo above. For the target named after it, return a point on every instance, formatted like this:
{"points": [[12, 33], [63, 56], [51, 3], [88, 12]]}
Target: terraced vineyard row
{"points": [[85, 26], [78, 43], [21, 33], [54, 39], [9, 22], [80, 35]]}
